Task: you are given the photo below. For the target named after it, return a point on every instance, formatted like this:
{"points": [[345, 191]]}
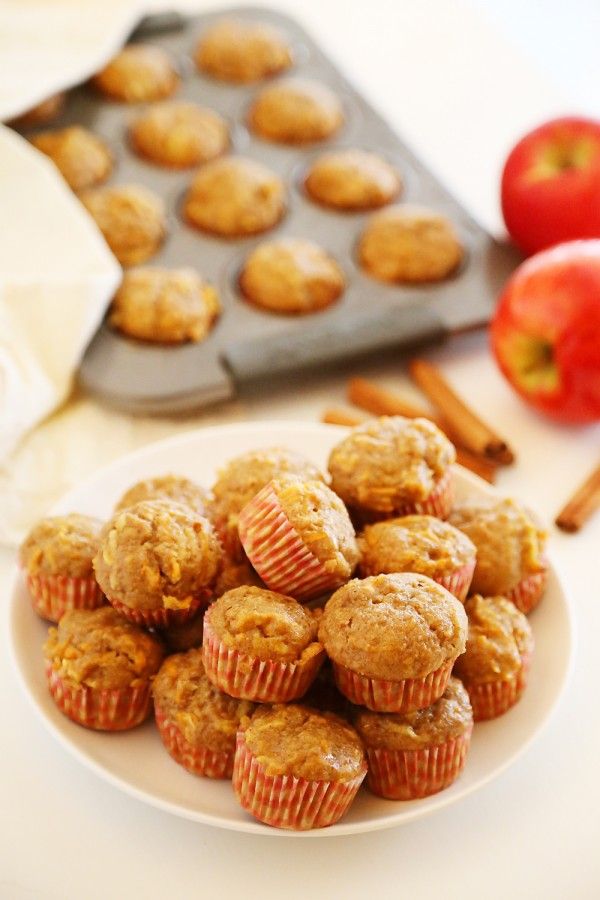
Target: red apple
{"points": [[545, 332], [551, 185]]}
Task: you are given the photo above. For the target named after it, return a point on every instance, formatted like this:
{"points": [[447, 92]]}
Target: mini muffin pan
{"points": [[248, 344]]}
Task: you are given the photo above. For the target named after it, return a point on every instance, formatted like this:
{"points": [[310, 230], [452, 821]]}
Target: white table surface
{"points": [[532, 833]]}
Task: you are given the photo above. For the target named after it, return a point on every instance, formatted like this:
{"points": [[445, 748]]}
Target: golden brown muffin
{"points": [[409, 245], [449, 717], [352, 180], [100, 649], [61, 545], [157, 554], [234, 575], [421, 544], [82, 158], [164, 306], [302, 742], [238, 51], [393, 626], [388, 463], [131, 219], [291, 275], [179, 134], [234, 197], [139, 73], [167, 487], [296, 111], [42, 113], [499, 638]]}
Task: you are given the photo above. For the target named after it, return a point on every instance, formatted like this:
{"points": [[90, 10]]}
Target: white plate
{"points": [[136, 761]]}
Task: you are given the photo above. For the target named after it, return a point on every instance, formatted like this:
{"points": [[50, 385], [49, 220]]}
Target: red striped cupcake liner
{"points": [[277, 551], [459, 581], [494, 698], [199, 760], [528, 592], [285, 801], [249, 678], [102, 709], [54, 595], [161, 618], [412, 774], [392, 696]]}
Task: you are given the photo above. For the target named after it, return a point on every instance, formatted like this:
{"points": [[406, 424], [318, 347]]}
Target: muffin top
{"points": [[82, 158], [409, 244], [264, 624], [157, 554], [131, 219], [296, 111], [140, 72], [205, 715], [353, 180], [179, 134], [42, 112], [167, 487], [235, 196], [499, 637], [300, 741], [61, 545], [509, 544], [238, 51], [420, 544], [449, 717], [168, 306], [393, 626], [291, 275], [100, 649], [388, 462]]}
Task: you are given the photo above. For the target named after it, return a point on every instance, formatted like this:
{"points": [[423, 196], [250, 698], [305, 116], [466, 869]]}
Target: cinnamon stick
{"points": [[466, 427], [582, 504], [382, 402], [338, 416]]}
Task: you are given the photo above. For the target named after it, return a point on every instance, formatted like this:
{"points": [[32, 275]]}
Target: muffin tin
{"points": [[248, 344]]}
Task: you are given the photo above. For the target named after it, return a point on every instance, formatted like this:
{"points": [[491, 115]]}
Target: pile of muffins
{"points": [[295, 630]]}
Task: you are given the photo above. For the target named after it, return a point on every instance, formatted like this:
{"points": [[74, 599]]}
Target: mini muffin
{"points": [[296, 111], [393, 640], [240, 52], [260, 645], [139, 73], [82, 158], [394, 466], [352, 180], [421, 544], [100, 669], [495, 665], [409, 245], [131, 219], [166, 487], [56, 557], [164, 306], [291, 275], [196, 721], [42, 113], [297, 768], [234, 197], [510, 549], [242, 478], [179, 134], [157, 562], [421, 752], [299, 537]]}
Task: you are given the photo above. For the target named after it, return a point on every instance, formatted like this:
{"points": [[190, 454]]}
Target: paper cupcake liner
{"points": [[528, 592], [411, 774], [197, 760], [439, 504], [288, 802], [54, 595], [277, 551], [101, 709], [249, 678], [161, 618], [392, 696], [494, 698], [459, 581]]}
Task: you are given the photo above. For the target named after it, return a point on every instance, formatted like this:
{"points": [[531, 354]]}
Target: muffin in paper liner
{"points": [[285, 801], [412, 774], [493, 698], [459, 581], [529, 591], [392, 696], [199, 760], [439, 504], [250, 678], [103, 709], [54, 595], [161, 618]]}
